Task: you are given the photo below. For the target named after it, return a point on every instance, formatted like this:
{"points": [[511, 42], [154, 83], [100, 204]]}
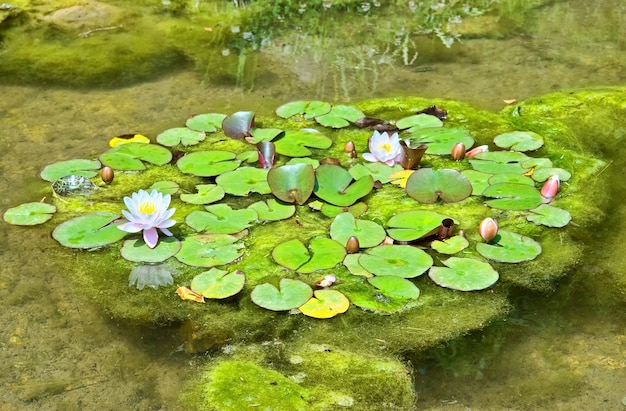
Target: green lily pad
{"points": [[244, 180], [418, 121], [325, 304], [89, 230], [251, 156], [509, 196], [415, 224], [427, 185], [292, 294], [165, 187], [296, 143], [340, 116], [208, 163], [478, 179], [510, 247], [272, 210], [542, 174], [209, 122], [383, 301], [132, 155], [500, 162], [137, 251], [450, 245], [396, 287], [519, 140], [209, 250], [325, 253], [218, 284], [221, 219], [344, 226], [351, 261], [333, 211], [306, 108], [29, 214], [304, 160], [264, 134], [549, 216], [379, 171], [180, 135], [292, 183], [511, 178], [464, 274], [396, 260], [334, 185], [207, 193], [440, 140], [540, 162], [77, 167], [238, 125]]}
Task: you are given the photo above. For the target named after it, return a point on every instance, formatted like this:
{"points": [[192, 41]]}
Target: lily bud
{"points": [[477, 150], [107, 174], [352, 246], [349, 147], [551, 187], [445, 229], [488, 229], [458, 151]]}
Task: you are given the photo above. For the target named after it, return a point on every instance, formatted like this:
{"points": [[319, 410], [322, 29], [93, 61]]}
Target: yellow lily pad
{"points": [[325, 304]]}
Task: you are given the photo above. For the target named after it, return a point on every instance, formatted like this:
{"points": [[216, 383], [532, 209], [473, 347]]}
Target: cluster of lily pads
{"points": [[382, 258]]}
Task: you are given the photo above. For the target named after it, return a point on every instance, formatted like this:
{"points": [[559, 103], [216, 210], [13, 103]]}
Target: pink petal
{"points": [[151, 237]]}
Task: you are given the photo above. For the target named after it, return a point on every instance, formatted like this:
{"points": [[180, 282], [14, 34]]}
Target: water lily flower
{"points": [[147, 212], [551, 187], [477, 150], [488, 229], [384, 148]]}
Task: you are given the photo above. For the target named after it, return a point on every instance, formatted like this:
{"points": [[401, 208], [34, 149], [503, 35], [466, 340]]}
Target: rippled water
{"points": [[562, 351]]}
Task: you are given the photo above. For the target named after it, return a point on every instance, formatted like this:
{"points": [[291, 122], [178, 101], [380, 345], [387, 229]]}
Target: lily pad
{"points": [[325, 253], [244, 180], [510, 178], [340, 116], [418, 121], [292, 294], [292, 183], [29, 214], [427, 185], [132, 155], [509, 196], [90, 230], [464, 274], [209, 250], [238, 125], [207, 193], [333, 211], [325, 304], [367, 297], [396, 260], [450, 245], [128, 138], [165, 187], [259, 135], [208, 163], [500, 162], [218, 284], [509, 247], [440, 140], [307, 108], [351, 261], [478, 179], [137, 251], [221, 219], [395, 287], [542, 174], [180, 135], [334, 185], [379, 171], [272, 210], [549, 216], [368, 233], [519, 140], [296, 143], [77, 167], [209, 122], [415, 224]]}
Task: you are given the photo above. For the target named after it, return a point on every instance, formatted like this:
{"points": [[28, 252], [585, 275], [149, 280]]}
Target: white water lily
{"points": [[147, 212], [384, 148]]}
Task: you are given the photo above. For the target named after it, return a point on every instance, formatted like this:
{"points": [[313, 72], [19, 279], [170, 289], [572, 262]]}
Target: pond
{"points": [[144, 69]]}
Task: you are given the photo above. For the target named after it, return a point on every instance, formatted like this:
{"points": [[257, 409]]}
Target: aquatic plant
{"points": [[384, 148], [147, 212]]}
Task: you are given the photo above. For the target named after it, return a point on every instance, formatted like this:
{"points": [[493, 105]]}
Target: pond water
{"points": [[561, 351]]}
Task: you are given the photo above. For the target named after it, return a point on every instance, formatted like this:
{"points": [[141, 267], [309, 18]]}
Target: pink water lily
{"points": [[384, 148], [147, 212]]}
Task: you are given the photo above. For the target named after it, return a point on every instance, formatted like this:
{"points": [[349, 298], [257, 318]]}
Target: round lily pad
{"points": [[427, 186], [208, 163], [379, 171], [501, 162], [137, 251], [396, 287], [542, 174], [292, 294], [549, 216], [340, 116], [209, 250], [511, 196], [368, 233], [208, 122], [351, 261], [440, 140], [244, 180], [272, 210], [77, 167], [291, 254], [325, 304], [132, 155], [324, 253], [396, 260], [414, 224], [464, 274], [450, 245], [218, 284], [510, 178], [332, 211], [292, 183], [239, 124], [478, 179], [165, 187], [29, 214], [207, 193], [307, 108], [180, 135], [386, 300], [519, 140], [417, 121], [259, 135], [221, 218], [335, 185], [508, 247], [89, 230], [296, 143]]}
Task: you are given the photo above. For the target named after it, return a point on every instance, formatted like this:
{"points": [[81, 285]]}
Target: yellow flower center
{"points": [[147, 207], [385, 146]]}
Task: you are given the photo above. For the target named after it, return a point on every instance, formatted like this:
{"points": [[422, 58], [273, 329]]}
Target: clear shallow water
{"points": [[58, 351]]}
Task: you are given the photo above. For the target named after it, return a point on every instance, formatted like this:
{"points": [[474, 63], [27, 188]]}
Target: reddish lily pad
{"points": [[209, 250], [307, 108], [335, 185], [396, 260], [221, 218], [137, 251], [90, 230], [427, 185], [209, 122], [244, 180], [325, 304], [238, 125], [509, 247], [440, 140], [296, 143], [292, 183], [510, 196], [415, 224], [207, 193], [292, 294], [208, 163], [218, 284], [180, 135], [549, 216], [368, 233], [519, 141], [29, 214], [77, 167], [464, 274]]}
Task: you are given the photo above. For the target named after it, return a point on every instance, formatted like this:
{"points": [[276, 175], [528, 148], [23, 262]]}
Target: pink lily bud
{"points": [[488, 229], [458, 151], [551, 187], [477, 150]]}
